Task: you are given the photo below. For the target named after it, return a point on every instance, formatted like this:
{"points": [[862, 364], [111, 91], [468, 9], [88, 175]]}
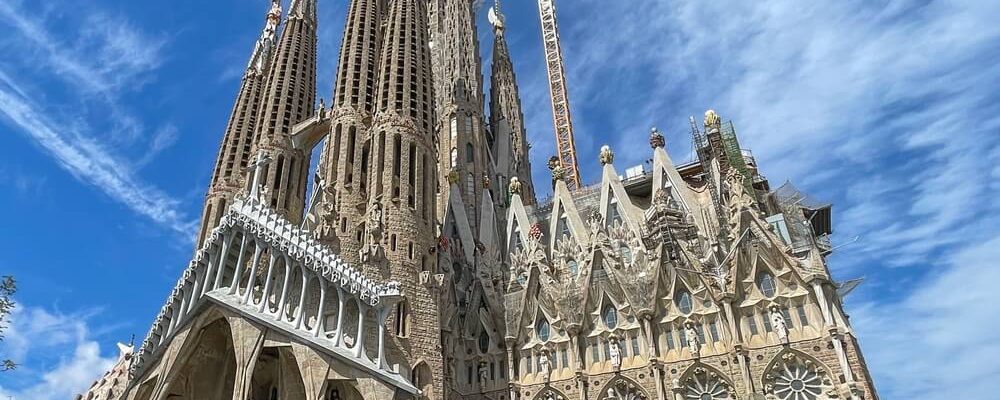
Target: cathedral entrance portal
{"points": [[209, 371], [342, 390], [276, 376]]}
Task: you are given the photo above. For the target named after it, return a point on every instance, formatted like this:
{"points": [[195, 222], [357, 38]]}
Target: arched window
{"points": [[402, 319], [542, 329], [573, 268], [470, 154], [610, 315], [765, 282], [454, 157], [564, 226], [684, 303], [484, 342], [470, 184]]}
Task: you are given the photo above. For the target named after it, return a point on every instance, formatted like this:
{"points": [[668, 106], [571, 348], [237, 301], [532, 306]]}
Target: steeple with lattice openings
{"points": [[234, 152], [510, 145], [345, 163], [458, 84], [402, 223], [289, 99]]}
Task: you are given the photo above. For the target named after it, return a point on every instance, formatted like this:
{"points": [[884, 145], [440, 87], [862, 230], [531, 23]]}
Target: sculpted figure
{"points": [[691, 335], [545, 364], [373, 231], [483, 374], [616, 353], [779, 324]]}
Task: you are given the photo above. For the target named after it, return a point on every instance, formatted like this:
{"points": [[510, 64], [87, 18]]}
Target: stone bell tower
{"points": [[287, 100], [234, 153]]}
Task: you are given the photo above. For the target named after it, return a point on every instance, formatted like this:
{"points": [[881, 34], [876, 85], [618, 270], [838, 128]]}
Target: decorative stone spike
{"points": [[607, 156], [656, 139]]}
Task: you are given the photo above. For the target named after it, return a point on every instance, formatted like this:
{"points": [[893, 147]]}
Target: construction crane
{"points": [[560, 98]]}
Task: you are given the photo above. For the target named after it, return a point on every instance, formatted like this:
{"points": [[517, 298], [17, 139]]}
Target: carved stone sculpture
{"points": [[691, 336], [616, 353], [545, 366], [779, 324], [607, 156]]}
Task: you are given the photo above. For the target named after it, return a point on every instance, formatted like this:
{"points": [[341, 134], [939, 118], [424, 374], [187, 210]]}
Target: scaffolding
{"points": [[734, 155]]}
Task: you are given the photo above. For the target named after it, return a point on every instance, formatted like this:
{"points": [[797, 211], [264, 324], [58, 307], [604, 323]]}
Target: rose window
{"points": [[796, 379], [706, 386]]}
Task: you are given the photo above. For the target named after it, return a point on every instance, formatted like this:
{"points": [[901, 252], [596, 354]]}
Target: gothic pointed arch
{"points": [[564, 220], [622, 388], [208, 368], [794, 375], [518, 225], [457, 215], [702, 382], [423, 378], [550, 393], [667, 179], [616, 205], [276, 374]]}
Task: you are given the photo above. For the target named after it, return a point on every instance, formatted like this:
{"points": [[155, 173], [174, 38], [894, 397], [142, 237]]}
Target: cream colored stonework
{"points": [[423, 267]]}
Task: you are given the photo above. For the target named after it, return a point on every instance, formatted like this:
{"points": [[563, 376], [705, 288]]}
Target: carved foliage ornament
{"points": [[607, 156], [565, 281], [515, 186]]}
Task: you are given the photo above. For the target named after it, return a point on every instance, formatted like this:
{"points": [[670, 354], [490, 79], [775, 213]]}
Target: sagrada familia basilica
{"points": [[422, 266]]}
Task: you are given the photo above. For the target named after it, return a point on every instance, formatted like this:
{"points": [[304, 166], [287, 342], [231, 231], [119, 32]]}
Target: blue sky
{"points": [[111, 113]]}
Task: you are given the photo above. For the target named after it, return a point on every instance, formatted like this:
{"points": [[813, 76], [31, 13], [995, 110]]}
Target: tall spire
{"points": [[562, 120], [401, 233], [345, 161], [288, 98], [265, 45], [463, 155], [304, 9], [510, 147], [234, 152]]}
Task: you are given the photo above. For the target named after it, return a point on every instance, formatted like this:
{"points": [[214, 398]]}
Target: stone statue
{"points": [[616, 353], [545, 366], [691, 335], [373, 231], [483, 374], [779, 324], [612, 395]]}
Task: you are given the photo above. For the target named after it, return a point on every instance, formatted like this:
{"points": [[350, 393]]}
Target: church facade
{"points": [[422, 266]]}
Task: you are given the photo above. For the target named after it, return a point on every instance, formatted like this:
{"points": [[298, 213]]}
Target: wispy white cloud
{"points": [[90, 162], [64, 358], [939, 342], [103, 57]]}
